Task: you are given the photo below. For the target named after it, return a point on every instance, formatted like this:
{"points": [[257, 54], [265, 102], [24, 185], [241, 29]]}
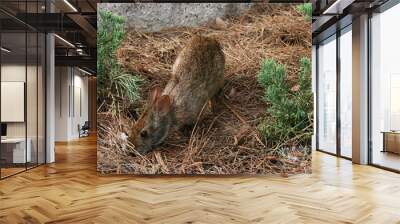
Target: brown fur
{"points": [[197, 76]]}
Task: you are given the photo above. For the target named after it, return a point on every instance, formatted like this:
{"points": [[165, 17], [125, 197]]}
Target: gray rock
{"points": [[156, 16]]}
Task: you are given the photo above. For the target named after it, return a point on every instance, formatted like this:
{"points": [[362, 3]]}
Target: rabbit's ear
{"points": [[155, 94], [163, 105]]}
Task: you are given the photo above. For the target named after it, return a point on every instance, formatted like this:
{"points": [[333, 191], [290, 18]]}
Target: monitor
{"points": [[3, 129]]}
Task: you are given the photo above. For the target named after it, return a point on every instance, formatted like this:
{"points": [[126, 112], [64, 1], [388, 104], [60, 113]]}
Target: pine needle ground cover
{"points": [[238, 137]]}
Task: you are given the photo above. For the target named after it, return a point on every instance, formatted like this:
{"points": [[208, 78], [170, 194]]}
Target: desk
{"points": [[391, 141], [13, 150]]}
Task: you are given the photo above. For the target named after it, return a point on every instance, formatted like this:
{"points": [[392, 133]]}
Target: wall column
{"points": [[50, 99], [360, 90], [50, 92]]}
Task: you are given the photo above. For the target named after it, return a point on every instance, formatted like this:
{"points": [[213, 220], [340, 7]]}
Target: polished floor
{"points": [[9, 171], [386, 159], [70, 191], [5, 172]]}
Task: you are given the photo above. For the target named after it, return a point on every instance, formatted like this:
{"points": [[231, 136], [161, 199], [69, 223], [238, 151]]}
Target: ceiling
{"points": [[16, 42], [74, 22], [332, 15]]}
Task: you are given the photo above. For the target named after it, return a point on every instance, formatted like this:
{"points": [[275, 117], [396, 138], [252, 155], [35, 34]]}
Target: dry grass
{"points": [[225, 141]]}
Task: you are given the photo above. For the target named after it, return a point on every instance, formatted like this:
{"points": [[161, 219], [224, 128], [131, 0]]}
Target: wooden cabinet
{"points": [[391, 142]]}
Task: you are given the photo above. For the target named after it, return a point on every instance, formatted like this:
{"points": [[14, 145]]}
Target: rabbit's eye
{"points": [[143, 134]]}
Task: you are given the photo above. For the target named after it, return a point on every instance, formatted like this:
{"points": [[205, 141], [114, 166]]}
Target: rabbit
{"points": [[197, 77]]}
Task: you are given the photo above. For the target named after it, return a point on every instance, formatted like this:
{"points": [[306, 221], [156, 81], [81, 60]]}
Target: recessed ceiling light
{"points": [[5, 50], [86, 72], [70, 5], [64, 40], [337, 7]]}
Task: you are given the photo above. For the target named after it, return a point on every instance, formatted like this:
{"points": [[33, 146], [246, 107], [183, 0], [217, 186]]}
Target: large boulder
{"points": [[156, 16]]}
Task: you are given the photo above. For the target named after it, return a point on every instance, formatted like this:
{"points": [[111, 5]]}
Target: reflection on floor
{"points": [[11, 169], [387, 159], [71, 191]]}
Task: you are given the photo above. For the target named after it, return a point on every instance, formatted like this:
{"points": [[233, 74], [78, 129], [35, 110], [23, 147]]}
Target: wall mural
{"points": [[188, 88]]}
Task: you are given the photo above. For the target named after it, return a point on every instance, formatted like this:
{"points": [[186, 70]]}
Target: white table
{"points": [[18, 145]]}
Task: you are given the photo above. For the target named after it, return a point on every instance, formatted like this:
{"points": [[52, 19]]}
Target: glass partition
{"points": [[14, 151], [41, 97], [385, 89], [31, 99], [327, 95], [346, 92], [22, 77]]}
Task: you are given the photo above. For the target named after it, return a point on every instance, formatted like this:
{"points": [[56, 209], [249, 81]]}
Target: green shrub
{"points": [[116, 89], [290, 108], [306, 10]]}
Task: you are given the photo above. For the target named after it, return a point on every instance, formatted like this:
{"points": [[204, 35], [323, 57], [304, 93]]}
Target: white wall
{"points": [[33, 126], [62, 81], [79, 117], [70, 83], [14, 72], [17, 72]]}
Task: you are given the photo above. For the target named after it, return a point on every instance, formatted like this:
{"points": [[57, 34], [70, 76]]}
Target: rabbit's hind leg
{"points": [[215, 101]]}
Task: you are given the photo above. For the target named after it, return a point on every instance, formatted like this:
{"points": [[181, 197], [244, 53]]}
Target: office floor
{"points": [[387, 159], [70, 191], [8, 171]]}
